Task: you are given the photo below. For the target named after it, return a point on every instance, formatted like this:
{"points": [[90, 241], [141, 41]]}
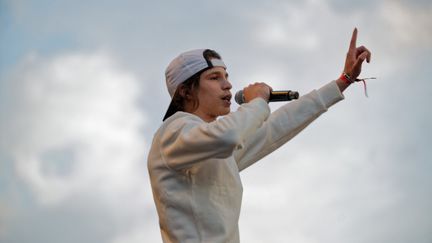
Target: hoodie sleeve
{"points": [[188, 140], [287, 122]]}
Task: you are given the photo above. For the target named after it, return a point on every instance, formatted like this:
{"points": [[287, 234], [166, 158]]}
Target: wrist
{"points": [[346, 78], [342, 84]]}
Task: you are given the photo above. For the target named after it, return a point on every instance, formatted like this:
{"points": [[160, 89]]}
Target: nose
{"points": [[226, 85]]}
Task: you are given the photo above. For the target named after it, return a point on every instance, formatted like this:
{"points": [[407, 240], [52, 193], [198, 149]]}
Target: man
{"points": [[195, 158]]}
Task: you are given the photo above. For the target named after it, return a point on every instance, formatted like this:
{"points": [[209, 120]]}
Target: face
{"points": [[214, 94]]}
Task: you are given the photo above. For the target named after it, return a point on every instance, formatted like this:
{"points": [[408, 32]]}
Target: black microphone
{"points": [[282, 95]]}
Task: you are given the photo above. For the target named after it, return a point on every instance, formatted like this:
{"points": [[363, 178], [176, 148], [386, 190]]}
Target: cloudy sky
{"points": [[82, 92]]}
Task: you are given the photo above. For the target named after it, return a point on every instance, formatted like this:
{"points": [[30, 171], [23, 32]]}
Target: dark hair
{"points": [[190, 89]]}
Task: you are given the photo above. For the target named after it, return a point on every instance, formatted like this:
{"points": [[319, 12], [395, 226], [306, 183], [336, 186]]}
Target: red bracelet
{"points": [[346, 78]]}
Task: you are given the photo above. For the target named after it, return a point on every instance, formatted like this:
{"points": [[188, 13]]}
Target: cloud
{"points": [[75, 126], [73, 129], [287, 26], [138, 234], [409, 25], [325, 190]]}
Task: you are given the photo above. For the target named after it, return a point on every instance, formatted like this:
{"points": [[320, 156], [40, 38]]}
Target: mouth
{"points": [[227, 98]]}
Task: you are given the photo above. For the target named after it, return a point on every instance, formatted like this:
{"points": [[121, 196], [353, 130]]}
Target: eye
{"points": [[214, 77]]}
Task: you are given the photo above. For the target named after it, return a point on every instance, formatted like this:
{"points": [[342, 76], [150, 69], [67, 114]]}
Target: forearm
{"points": [[342, 84], [190, 140], [286, 122]]}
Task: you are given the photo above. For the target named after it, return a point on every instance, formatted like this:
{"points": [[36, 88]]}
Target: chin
{"points": [[225, 111]]}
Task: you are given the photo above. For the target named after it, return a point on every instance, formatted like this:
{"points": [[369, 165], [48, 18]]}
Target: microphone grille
{"points": [[239, 97]]}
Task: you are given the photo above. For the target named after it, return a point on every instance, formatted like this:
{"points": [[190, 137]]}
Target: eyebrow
{"points": [[218, 73]]}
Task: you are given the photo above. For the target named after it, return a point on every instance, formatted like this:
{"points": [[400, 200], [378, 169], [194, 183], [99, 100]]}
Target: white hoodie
{"points": [[194, 165]]}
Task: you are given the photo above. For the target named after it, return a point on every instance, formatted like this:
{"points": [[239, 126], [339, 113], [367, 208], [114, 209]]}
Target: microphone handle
{"points": [[283, 95]]}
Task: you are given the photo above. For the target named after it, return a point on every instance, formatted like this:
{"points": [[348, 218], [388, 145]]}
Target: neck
{"points": [[204, 116]]}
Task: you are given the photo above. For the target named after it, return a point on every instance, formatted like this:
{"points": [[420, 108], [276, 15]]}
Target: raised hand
{"points": [[355, 57]]}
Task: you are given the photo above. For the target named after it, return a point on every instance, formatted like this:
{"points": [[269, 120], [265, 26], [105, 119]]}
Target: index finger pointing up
{"points": [[353, 40]]}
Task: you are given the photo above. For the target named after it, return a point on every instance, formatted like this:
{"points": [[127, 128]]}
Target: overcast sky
{"points": [[82, 92]]}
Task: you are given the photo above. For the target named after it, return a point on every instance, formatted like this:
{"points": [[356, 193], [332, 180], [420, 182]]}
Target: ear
{"points": [[184, 92]]}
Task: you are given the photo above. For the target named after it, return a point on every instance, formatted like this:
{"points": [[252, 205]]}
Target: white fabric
{"points": [[217, 63], [194, 166], [185, 66]]}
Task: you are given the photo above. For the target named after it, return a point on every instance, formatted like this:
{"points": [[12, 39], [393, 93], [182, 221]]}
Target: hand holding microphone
{"points": [[255, 90], [264, 91]]}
